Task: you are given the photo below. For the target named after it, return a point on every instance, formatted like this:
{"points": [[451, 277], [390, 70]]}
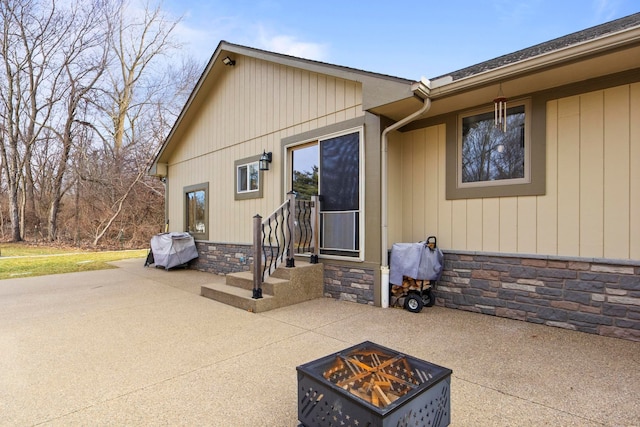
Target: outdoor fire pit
{"points": [[371, 385]]}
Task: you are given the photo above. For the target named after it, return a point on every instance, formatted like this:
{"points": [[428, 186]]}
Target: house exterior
{"points": [[539, 219]]}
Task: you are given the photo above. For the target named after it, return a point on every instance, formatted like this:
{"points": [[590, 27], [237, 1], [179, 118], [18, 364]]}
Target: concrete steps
{"points": [[287, 286]]}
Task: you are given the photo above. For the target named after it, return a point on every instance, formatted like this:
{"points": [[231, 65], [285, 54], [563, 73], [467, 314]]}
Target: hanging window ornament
{"points": [[500, 110]]}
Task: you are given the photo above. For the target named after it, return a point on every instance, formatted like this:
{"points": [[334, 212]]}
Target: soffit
{"points": [[541, 79], [541, 76]]}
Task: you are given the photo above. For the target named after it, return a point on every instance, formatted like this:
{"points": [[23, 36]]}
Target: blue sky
{"points": [[410, 39]]}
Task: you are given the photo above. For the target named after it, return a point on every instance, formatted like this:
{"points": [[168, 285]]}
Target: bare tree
{"points": [[31, 35], [88, 91], [140, 41], [83, 61]]}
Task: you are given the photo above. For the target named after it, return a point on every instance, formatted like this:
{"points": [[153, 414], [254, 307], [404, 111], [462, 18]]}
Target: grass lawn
{"points": [[19, 260]]}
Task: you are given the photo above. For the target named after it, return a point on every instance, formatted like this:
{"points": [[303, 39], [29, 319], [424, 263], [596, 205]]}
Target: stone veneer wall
{"points": [[340, 282], [222, 258], [590, 295], [348, 283]]}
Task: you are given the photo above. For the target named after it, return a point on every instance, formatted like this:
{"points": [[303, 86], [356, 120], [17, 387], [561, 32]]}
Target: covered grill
{"points": [[171, 250]]}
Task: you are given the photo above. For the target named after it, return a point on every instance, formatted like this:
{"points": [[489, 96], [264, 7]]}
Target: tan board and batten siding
{"points": [[251, 107], [592, 203]]}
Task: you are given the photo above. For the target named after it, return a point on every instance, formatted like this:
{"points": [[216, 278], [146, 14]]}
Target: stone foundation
{"points": [[222, 258], [348, 283], [589, 295]]}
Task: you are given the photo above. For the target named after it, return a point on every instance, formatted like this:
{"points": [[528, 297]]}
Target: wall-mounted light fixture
{"points": [[228, 61], [264, 161]]}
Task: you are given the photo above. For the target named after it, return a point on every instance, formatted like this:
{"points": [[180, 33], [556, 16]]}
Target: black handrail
{"points": [[272, 238], [304, 230]]}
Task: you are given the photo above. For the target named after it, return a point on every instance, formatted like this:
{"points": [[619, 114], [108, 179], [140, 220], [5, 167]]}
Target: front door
{"points": [[331, 168]]}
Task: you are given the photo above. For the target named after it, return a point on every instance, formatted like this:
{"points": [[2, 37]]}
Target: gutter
{"points": [[422, 90], [446, 86]]}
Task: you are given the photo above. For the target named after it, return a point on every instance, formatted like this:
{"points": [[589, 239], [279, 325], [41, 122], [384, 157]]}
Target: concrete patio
{"points": [[139, 346]]}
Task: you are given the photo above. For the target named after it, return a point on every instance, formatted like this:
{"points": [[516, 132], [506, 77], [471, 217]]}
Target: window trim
{"points": [[250, 194], [534, 186], [191, 189]]}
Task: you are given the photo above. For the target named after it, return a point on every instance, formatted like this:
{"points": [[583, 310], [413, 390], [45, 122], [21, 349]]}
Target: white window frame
{"points": [[247, 194], [248, 177]]}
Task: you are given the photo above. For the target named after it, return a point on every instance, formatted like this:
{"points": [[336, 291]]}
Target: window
{"points": [[485, 161], [490, 154], [248, 179], [197, 210]]}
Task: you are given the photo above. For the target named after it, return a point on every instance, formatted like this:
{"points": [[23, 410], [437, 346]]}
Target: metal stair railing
{"points": [[273, 243]]}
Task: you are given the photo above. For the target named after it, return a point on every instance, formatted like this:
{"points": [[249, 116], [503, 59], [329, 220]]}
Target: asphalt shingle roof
{"points": [[549, 46]]}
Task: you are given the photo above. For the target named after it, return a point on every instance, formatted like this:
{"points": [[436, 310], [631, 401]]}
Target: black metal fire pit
{"points": [[370, 385]]}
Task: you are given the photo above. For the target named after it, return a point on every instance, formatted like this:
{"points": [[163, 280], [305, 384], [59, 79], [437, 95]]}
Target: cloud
{"points": [[290, 45], [199, 33], [605, 9], [200, 41]]}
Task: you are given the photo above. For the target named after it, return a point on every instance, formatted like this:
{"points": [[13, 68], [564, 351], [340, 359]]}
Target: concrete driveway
{"points": [[138, 346]]}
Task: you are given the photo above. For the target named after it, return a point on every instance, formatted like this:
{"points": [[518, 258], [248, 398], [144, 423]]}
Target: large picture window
{"points": [[196, 210], [490, 155], [487, 161]]}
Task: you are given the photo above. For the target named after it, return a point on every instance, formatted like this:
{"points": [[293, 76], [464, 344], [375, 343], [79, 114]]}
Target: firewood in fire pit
{"points": [[373, 376]]}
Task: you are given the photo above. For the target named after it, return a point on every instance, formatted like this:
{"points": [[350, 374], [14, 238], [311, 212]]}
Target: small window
{"points": [[490, 155], [248, 179], [197, 210]]}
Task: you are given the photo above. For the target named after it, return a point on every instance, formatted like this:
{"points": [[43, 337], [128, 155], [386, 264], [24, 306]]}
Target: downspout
{"points": [[420, 89], [165, 182]]}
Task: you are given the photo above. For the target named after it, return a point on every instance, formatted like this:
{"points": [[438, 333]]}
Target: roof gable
{"points": [[377, 89]]}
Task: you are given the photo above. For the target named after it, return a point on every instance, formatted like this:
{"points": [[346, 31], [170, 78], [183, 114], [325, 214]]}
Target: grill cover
{"points": [[173, 249]]}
